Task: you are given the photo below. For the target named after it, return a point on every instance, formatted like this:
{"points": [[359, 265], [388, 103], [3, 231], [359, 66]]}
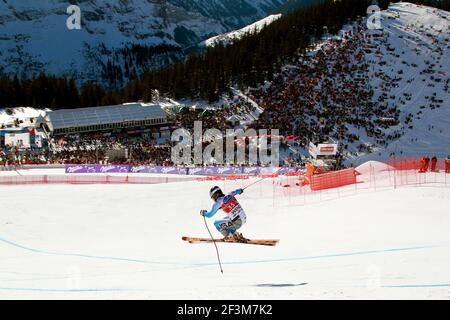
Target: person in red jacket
{"points": [[447, 165], [422, 165]]}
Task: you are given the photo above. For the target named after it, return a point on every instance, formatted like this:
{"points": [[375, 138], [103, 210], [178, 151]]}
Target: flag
{"points": [[292, 137]]}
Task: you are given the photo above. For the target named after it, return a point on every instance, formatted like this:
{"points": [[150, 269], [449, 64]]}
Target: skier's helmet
{"points": [[215, 193]]}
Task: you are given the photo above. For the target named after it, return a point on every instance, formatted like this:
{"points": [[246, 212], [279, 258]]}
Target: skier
{"points": [[236, 216]]}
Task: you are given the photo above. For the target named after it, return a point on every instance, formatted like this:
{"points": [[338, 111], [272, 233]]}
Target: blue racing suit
{"points": [[236, 216]]}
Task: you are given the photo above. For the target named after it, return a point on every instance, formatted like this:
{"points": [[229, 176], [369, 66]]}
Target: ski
{"points": [[208, 240]]}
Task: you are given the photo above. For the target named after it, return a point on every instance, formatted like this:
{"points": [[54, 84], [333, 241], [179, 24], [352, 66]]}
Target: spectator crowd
{"points": [[321, 95]]}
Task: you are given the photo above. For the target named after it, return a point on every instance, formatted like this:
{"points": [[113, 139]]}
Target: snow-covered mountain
{"points": [[376, 92], [409, 70], [117, 39], [231, 36], [232, 14]]}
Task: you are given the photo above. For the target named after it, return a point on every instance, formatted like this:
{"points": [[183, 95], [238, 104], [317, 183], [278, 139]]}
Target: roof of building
{"points": [[69, 118]]}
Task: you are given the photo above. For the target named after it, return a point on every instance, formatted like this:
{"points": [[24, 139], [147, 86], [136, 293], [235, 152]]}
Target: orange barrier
{"points": [[418, 164], [291, 190], [333, 179], [406, 164]]}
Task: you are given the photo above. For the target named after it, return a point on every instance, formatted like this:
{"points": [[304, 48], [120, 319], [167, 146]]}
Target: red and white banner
{"points": [[327, 149], [322, 149]]}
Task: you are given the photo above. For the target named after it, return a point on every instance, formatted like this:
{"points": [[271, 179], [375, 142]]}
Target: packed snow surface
{"points": [[124, 242], [229, 37], [373, 166]]}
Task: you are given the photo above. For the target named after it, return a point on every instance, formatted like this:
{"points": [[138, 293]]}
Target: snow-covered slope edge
{"points": [[229, 37]]}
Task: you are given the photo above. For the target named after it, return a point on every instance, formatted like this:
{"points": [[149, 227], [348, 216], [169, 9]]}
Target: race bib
{"points": [[232, 207]]}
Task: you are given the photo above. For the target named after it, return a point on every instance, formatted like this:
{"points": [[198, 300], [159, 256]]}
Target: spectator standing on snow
{"points": [[427, 163], [422, 164], [447, 165], [433, 164]]}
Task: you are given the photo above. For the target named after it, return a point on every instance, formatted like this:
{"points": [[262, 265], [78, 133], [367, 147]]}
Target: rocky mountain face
{"points": [[118, 40]]}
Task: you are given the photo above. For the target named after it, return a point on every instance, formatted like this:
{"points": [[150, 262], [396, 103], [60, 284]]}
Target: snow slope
{"points": [[229, 37], [419, 40], [124, 242], [22, 114], [35, 39], [382, 91]]}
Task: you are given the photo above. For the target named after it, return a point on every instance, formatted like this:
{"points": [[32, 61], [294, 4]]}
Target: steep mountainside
{"points": [[376, 92], [118, 39]]}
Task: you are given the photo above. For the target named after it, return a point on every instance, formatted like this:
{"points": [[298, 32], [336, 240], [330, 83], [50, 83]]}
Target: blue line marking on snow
{"points": [[204, 264], [87, 256], [327, 256], [418, 285]]}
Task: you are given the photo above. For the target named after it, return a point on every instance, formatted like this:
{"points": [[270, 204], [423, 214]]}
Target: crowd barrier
{"points": [[89, 179], [13, 167], [289, 190], [417, 164], [280, 187], [181, 170], [333, 179]]}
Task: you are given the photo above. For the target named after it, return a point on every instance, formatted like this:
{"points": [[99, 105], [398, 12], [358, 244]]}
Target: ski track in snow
{"points": [[124, 247], [68, 290], [420, 285], [196, 265], [202, 264], [84, 255]]}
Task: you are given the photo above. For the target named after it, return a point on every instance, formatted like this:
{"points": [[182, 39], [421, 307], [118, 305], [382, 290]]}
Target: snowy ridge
{"points": [[229, 37], [35, 39], [414, 50], [396, 79]]}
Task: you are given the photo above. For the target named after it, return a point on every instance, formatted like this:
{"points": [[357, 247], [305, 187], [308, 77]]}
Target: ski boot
{"points": [[238, 237], [235, 237]]}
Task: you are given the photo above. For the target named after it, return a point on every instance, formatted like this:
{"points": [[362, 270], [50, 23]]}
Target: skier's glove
{"points": [[240, 191], [203, 212]]}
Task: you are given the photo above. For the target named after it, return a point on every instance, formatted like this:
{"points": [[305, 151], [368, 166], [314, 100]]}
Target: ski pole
{"points": [[251, 184], [214, 241]]}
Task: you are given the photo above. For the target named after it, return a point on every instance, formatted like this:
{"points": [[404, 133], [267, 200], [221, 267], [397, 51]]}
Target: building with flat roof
{"points": [[82, 120]]}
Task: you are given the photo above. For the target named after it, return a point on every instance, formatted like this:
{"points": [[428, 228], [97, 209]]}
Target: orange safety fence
{"points": [[418, 164], [333, 179], [282, 190]]}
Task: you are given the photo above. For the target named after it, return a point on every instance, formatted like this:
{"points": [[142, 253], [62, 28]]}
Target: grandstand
{"points": [[95, 119]]}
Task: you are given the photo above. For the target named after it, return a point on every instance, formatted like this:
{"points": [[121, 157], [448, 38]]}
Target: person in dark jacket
{"points": [[447, 165], [433, 164], [427, 163]]}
